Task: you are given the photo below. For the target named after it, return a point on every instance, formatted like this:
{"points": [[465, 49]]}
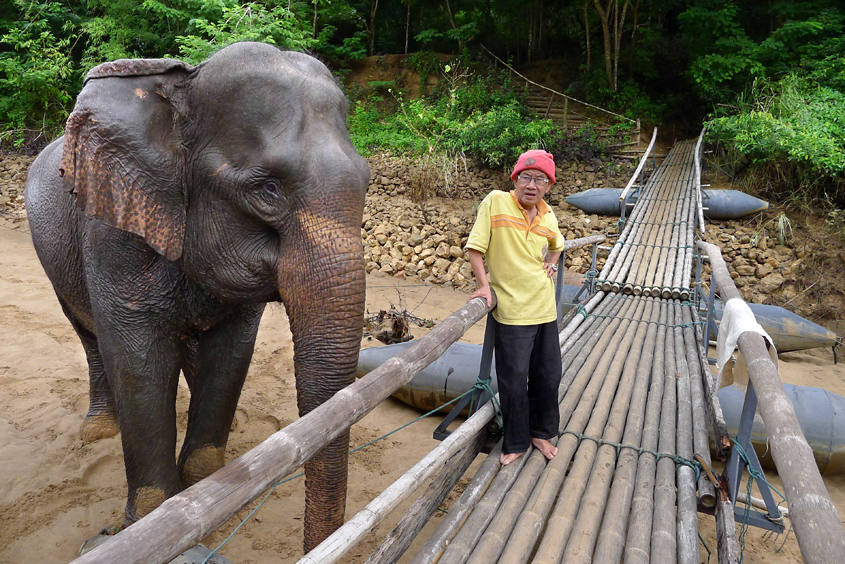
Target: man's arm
{"points": [[551, 259], [476, 260]]}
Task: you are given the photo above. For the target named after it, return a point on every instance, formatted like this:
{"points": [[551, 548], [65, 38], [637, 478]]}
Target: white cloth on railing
{"points": [[737, 318]]}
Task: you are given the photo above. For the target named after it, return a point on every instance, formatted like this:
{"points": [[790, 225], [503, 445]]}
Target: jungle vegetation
{"points": [[766, 78]]}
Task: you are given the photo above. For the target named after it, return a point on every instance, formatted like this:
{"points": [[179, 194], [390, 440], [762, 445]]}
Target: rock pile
{"points": [[758, 263], [426, 241], [13, 171]]}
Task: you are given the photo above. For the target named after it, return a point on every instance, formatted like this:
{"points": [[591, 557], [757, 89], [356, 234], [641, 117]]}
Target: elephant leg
{"points": [[101, 420], [144, 371], [324, 483], [215, 370]]}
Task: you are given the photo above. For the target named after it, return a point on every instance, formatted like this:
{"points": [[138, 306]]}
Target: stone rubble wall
{"points": [[425, 243]]}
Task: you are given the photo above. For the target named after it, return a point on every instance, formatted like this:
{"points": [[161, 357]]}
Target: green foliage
{"points": [[371, 129], [498, 136], [36, 71], [726, 60], [243, 22], [351, 48], [793, 131], [424, 63]]}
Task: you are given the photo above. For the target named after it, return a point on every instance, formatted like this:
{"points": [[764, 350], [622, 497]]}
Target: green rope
{"points": [[753, 474], [678, 459], [691, 324]]}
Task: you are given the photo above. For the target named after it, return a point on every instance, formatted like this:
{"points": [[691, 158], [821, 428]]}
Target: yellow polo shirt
{"points": [[515, 252]]}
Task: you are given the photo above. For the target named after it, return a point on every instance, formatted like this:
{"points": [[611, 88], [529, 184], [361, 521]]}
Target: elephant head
{"points": [[241, 173]]}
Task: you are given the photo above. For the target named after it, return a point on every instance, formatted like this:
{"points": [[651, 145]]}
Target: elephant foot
{"points": [[194, 555], [202, 462], [105, 535], [96, 427]]}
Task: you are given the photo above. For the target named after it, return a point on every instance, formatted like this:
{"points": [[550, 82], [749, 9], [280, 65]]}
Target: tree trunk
{"points": [[408, 25], [371, 44], [608, 55], [633, 39], [620, 21], [587, 34], [452, 21]]}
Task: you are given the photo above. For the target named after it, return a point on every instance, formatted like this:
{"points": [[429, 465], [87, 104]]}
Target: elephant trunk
{"points": [[324, 299]]}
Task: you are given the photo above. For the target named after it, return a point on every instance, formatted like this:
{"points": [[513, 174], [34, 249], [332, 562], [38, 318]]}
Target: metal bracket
{"points": [[736, 465], [484, 374]]}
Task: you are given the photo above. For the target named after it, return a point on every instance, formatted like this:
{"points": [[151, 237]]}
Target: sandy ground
{"points": [[56, 492]]}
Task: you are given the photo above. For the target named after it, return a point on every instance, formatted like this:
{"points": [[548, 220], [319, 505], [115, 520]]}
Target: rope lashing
{"points": [[678, 460]]}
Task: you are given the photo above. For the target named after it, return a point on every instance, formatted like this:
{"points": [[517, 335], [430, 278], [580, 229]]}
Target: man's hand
{"points": [[483, 293], [550, 269]]}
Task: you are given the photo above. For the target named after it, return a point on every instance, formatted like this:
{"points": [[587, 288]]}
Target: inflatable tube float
{"points": [[717, 204], [821, 413]]}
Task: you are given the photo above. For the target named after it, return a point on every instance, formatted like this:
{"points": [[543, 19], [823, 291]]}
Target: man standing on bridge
{"points": [[518, 234]]}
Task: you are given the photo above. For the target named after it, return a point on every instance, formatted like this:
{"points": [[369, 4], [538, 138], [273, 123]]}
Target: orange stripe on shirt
{"points": [[543, 232], [504, 220]]}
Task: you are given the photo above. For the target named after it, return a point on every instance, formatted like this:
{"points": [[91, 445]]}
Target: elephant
{"points": [[179, 202]]}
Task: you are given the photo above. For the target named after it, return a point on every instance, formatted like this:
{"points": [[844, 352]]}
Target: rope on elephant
{"points": [[479, 384]]}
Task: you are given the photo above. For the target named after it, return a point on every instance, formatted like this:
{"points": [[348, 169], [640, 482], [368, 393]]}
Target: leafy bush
{"points": [[581, 145], [37, 73], [246, 22], [497, 137], [372, 129], [792, 131]]}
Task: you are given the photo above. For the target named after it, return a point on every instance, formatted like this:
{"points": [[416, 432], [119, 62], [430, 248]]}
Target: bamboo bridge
{"points": [[638, 409]]}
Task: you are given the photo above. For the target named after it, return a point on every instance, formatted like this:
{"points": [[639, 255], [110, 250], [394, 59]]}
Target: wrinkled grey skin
{"points": [[187, 198]]}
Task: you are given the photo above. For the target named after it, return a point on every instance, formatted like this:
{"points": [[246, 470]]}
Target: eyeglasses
{"points": [[538, 180]]}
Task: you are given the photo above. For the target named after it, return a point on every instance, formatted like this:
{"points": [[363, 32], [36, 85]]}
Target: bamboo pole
{"points": [[687, 525], [639, 166], [521, 494], [714, 408], [582, 351], [400, 538], [579, 324], [458, 550], [663, 538], [186, 518], [631, 394], [668, 203], [698, 181], [451, 524], [821, 537], [638, 540], [701, 440], [589, 417]]}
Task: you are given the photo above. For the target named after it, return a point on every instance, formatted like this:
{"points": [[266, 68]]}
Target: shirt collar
{"points": [[542, 207]]}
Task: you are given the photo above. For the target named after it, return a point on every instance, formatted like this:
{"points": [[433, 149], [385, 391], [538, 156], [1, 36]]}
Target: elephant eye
{"points": [[271, 186]]}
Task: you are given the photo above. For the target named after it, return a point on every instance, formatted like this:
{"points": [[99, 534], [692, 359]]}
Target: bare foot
{"points": [[545, 447], [506, 459]]}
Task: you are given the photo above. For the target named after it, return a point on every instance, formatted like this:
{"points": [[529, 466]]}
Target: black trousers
{"points": [[528, 372]]}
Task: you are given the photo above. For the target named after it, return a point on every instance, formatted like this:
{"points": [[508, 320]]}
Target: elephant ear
{"points": [[123, 158]]}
